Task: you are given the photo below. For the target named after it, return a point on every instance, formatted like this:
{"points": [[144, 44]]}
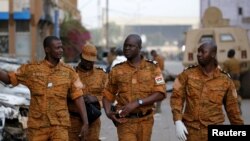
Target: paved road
{"points": [[164, 129]]}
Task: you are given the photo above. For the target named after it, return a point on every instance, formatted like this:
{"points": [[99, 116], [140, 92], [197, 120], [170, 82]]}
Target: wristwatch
{"points": [[140, 101]]}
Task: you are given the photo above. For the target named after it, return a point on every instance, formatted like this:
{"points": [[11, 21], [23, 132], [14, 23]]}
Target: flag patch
{"points": [[159, 80]]}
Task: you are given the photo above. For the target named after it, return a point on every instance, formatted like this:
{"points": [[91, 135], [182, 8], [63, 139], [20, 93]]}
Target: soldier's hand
{"points": [[181, 130], [114, 116], [84, 132], [128, 108]]}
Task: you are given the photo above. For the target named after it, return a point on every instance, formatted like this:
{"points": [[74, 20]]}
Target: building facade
{"points": [[25, 23], [237, 12]]}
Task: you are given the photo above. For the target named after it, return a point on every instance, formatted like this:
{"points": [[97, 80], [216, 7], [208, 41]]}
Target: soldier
{"points": [[49, 82], [136, 85], [232, 66], [111, 56], [160, 61], [94, 79], [204, 88]]}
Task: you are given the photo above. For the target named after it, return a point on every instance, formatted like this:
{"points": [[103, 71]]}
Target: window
{"points": [[22, 25], [206, 38], [240, 11], [226, 38], [4, 26]]}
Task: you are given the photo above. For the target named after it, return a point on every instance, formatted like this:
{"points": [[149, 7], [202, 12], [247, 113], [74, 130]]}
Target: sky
{"points": [[92, 10]]}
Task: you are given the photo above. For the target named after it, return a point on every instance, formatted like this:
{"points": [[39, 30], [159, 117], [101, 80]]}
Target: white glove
{"points": [[181, 130]]}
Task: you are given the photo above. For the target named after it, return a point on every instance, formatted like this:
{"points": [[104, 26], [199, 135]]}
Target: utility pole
{"points": [[107, 23]]}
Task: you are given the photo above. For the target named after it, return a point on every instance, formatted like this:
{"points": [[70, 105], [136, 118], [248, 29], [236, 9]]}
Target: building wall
{"points": [[30, 31], [231, 10]]}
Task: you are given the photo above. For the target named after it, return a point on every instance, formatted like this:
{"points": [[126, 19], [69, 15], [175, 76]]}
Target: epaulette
{"points": [[35, 62], [100, 68], [68, 66], [152, 61], [191, 66], [119, 63], [224, 72]]}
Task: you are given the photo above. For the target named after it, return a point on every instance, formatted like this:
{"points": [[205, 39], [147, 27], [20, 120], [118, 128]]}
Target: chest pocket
{"points": [[60, 88], [194, 86], [123, 82], [216, 94], [146, 81], [95, 85], [37, 84]]}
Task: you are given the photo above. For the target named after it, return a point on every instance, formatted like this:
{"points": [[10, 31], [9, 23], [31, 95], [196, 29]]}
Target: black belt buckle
{"points": [[138, 114]]}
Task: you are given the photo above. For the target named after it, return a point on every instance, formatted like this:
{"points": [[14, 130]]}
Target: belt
{"points": [[139, 114]]}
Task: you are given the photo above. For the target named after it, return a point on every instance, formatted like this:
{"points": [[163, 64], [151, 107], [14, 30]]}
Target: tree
{"points": [[73, 36]]}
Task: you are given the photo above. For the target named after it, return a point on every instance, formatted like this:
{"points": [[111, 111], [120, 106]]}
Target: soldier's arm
{"points": [[4, 77], [178, 96], [231, 106], [108, 94], [76, 95], [79, 102]]}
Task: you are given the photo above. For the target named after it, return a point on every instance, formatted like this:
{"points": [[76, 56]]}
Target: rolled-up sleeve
{"points": [[177, 97], [231, 106], [76, 86], [159, 82], [111, 88], [20, 76]]}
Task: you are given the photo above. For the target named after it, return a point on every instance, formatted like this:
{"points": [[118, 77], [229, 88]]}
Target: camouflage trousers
{"points": [[197, 134], [53, 133], [138, 129], [76, 125]]}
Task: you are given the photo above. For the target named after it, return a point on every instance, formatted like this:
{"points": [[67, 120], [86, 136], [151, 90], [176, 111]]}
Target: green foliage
{"points": [[73, 36]]}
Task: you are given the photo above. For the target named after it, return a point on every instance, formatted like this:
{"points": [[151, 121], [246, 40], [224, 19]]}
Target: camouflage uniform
{"points": [[49, 85], [160, 62], [204, 96], [232, 66], [127, 84], [94, 82]]}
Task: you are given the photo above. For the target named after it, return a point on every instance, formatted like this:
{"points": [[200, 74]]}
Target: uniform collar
{"points": [[84, 71], [50, 65], [142, 63], [216, 71]]}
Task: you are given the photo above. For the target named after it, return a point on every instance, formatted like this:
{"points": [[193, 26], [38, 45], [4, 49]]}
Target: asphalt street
{"points": [[164, 129]]}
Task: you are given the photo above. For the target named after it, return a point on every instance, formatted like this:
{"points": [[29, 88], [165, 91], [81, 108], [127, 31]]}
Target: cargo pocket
{"points": [[35, 118], [63, 117], [61, 86], [123, 83], [146, 82], [194, 87]]}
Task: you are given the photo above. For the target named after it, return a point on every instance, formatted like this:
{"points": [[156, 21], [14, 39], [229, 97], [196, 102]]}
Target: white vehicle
{"points": [[14, 107]]}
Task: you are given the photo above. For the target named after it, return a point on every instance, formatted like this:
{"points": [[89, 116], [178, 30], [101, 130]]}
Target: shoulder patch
{"points": [[191, 66], [151, 61], [100, 68]]}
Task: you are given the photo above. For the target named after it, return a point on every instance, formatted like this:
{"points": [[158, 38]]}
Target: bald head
{"points": [[135, 37], [207, 53], [209, 44]]}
